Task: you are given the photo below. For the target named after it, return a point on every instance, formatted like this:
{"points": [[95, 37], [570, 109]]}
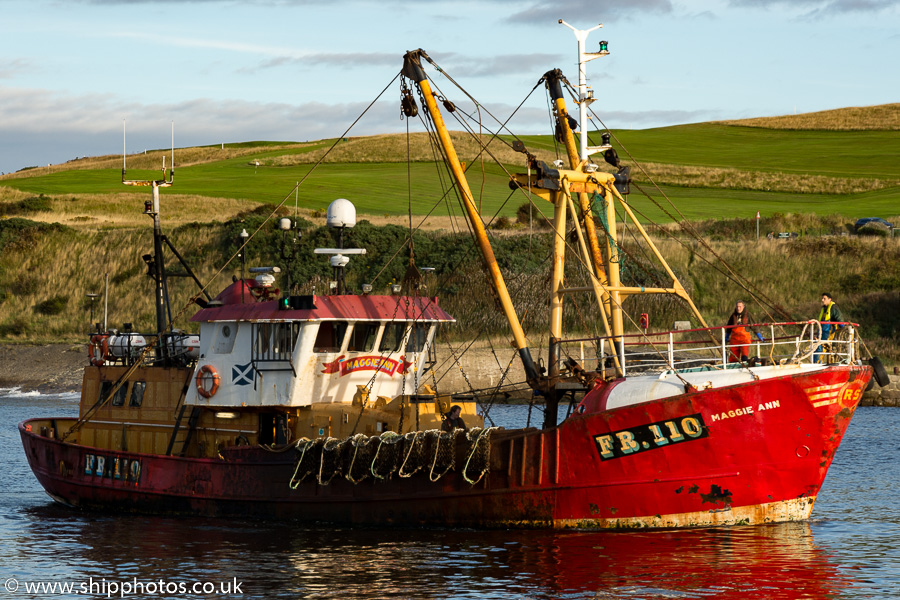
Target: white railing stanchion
{"points": [[671, 350], [724, 351], [772, 339]]}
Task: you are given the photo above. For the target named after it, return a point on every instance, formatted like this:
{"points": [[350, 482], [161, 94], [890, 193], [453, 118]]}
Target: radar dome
{"points": [[341, 213]]}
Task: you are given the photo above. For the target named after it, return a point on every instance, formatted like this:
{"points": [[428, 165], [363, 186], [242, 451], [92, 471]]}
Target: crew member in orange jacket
{"points": [[738, 333]]}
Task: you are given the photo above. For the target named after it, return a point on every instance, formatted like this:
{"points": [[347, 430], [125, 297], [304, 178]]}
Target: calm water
{"points": [[850, 549]]}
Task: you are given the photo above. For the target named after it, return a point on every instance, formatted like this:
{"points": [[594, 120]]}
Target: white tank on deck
{"points": [[126, 345], [186, 344]]}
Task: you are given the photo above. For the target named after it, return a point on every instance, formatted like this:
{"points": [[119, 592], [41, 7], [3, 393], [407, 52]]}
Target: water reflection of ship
{"points": [[768, 561]]}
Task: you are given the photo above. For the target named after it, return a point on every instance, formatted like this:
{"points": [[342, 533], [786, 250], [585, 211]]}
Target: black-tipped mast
{"points": [[156, 263]]}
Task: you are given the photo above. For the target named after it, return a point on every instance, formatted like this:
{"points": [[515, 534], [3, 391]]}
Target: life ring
{"points": [[98, 350], [207, 373]]}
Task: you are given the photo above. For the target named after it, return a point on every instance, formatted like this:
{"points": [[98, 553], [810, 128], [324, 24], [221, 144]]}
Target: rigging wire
{"points": [[685, 225], [730, 272], [285, 199]]}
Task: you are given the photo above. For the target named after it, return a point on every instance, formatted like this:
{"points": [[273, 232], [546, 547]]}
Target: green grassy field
{"points": [[383, 188], [858, 154]]}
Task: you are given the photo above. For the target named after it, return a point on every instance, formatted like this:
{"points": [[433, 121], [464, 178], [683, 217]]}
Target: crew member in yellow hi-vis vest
{"points": [[828, 316]]}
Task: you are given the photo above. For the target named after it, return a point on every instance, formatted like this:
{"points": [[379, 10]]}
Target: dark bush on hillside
{"points": [[36, 204], [123, 276], [501, 223], [52, 306], [23, 285], [728, 229], [387, 252], [873, 229], [16, 326], [20, 233], [529, 216], [877, 313], [828, 246], [32, 204], [806, 224]]}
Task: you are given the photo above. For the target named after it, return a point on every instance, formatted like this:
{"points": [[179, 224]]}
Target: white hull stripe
{"points": [[824, 395]]}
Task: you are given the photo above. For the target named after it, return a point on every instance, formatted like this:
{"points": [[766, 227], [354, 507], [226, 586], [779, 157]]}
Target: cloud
{"points": [[542, 12], [14, 67], [357, 60], [818, 8], [495, 66], [192, 42], [40, 127], [259, 2]]}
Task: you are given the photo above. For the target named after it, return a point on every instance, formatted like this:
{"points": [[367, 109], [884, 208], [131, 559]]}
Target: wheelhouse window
{"points": [[330, 337], [392, 338], [275, 341], [137, 393], [362, 338], [120, 395], [105, 389], [418, 337]]}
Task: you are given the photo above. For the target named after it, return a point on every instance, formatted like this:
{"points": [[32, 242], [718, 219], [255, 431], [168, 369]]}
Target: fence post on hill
{"points": [[757, 226]]}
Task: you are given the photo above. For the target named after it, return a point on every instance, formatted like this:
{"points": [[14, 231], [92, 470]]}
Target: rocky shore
{"points": [[883, 396], [59, 368], [50, 368]]}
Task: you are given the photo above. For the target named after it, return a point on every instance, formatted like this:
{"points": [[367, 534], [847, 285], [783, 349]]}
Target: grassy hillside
{"points": [[46, 270], [854, 118], [709, 170]]}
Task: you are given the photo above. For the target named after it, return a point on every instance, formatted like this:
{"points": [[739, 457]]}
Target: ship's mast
{"points": [[585, 95], [156, 263], [614, 293], [598, 267], [606, 271]]}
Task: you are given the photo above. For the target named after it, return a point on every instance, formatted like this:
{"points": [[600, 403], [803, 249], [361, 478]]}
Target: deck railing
{"points": [[710, 347]]}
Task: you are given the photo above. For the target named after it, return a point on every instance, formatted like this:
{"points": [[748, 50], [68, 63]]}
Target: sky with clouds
{"points": [[239, 70]]}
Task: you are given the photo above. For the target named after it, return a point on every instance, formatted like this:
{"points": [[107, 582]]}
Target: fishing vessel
{"points": [[317, 408]]}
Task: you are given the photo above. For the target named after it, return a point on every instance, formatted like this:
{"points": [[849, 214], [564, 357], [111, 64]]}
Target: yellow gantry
{"points": [[561, 187]]}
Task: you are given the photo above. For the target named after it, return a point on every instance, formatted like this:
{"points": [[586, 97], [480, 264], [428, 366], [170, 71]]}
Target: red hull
{"points": [[746, 454]]}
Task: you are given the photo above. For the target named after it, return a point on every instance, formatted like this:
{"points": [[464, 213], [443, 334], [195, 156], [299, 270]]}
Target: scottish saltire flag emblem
{"points": [[242, 374]]}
